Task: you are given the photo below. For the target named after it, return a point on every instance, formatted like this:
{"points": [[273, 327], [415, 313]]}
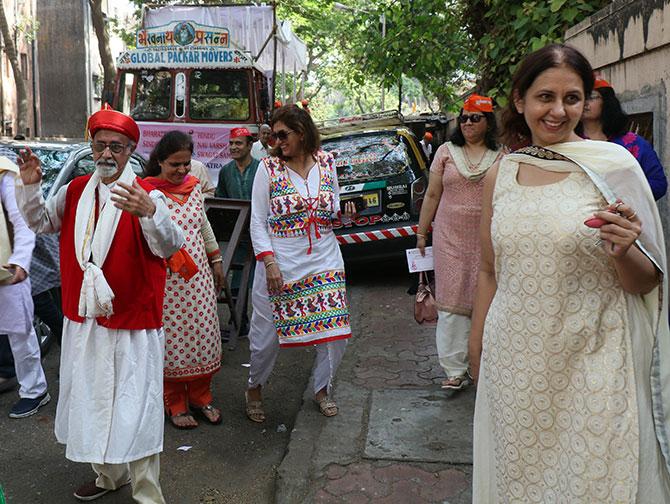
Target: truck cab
{"points": [[189, 77]]}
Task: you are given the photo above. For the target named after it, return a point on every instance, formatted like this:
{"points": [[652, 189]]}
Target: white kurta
{"points": [[110, 404], [304, 260], [16, 303], [291, 253]]}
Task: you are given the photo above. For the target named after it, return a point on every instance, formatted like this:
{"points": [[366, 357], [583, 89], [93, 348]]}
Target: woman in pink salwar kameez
{"points": [[453, 200]]}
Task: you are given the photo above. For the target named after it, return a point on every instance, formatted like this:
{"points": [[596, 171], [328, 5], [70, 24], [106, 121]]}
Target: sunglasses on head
{"points": [[473, 118], [281, 135]]}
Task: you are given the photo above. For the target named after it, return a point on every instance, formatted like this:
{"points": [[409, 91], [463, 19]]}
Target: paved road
{"points": [[238, 462], [231, 463]]}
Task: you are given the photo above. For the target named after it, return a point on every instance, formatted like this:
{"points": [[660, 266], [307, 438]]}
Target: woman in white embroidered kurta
{"points": [[299, 294]]}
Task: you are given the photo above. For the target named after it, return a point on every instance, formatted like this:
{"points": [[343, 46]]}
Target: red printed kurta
{"points": [[191, 322], [456, 247]]}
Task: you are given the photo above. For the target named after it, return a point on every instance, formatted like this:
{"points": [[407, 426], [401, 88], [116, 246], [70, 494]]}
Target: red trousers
{"points": [[179, 395]]}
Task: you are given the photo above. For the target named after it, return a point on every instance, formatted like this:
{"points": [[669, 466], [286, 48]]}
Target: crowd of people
{"points": [[550, 272]]}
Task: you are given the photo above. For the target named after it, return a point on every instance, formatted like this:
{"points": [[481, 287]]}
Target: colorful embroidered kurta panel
{"points": [[293, 214], [312, 310]]}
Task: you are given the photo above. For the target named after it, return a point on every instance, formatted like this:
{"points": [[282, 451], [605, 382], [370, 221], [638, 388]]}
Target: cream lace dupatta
{"points": [[92, 243], [616, 174]]}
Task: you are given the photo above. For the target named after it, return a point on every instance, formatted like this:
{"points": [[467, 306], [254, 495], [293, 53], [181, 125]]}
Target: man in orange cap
{"points": [[115, 232], [236, 179], [426, 145], [237, 176]]}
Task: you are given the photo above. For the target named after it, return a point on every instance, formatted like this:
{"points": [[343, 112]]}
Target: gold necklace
{"points": [[472, 166]]}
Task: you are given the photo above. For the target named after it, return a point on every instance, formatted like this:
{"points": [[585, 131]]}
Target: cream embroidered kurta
{"points": [[110, 402], [563, 408]]}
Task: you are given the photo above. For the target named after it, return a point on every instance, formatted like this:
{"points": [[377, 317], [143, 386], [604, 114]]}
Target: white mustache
{"points": [[106, 168]]}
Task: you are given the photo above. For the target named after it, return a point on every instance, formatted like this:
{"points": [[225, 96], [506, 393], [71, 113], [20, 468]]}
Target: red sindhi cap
{"points": [[240, 132], [110, 119], [601, 83], [477, 103]]}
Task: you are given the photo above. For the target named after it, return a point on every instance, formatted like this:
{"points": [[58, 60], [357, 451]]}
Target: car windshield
{"points": [[52, 161], [366, 157]]}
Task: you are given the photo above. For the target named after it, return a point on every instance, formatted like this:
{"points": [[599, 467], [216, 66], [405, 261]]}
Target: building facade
{"points": [[20, 16], [628, 44]]}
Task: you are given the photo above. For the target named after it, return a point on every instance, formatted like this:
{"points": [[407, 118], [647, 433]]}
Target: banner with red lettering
{"points": [[210, 141]]}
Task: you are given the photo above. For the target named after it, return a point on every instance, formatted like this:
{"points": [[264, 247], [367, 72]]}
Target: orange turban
{"points": [[601, 83], [428, 136], [477, 103], [110, 119]]}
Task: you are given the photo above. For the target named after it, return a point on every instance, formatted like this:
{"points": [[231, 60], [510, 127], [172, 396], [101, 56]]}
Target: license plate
{"points": [[371, 199]]}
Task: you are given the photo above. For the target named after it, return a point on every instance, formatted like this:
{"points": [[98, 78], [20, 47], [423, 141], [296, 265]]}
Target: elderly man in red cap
{"points": [[115, 232]]}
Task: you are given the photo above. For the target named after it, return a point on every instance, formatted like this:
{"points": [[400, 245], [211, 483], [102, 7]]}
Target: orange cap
{"points": [[601, 83], [428, 136], [109, 119], [240, 132], [477, 103]]}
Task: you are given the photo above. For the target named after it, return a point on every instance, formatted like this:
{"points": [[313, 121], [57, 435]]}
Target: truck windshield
{"points": [[368, 156], [219, 95], [152, 97]]}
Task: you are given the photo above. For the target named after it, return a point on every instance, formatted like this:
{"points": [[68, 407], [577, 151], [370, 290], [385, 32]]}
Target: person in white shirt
{"points": [[259, 149], [426, 145]]}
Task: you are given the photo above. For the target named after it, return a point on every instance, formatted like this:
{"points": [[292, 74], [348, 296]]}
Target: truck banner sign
{"points": [[182, 34], [210, 142], [184, 58], [184, 44]]}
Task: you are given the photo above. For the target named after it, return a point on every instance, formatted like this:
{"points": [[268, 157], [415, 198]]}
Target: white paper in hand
{"points": [[416, 262]]}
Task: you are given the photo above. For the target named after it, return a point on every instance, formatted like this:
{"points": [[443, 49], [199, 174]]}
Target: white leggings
{"points": [[451, 338], [264, 344]]}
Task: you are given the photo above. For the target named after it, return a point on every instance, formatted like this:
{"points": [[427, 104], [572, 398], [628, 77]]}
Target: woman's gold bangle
{"points": [[421, 235], [267, 265], [216, 260]]}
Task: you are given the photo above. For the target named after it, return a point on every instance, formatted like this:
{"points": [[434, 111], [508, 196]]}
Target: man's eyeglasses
{"points": [[474, 118], [281, 135], [114, 147]]}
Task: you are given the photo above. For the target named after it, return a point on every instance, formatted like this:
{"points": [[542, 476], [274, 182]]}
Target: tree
{"points": [[21, 91], [98, 19], [504, 31]]}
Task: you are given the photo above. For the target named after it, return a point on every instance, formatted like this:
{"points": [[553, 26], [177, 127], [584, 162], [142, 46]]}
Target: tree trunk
{"points": [[21, 91], [108, 67]]}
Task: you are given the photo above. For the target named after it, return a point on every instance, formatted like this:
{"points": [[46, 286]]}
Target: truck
{"points": [[203, 70]]}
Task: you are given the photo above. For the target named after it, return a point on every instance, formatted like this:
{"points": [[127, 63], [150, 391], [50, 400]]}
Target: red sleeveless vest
{"points": [[133, 272]]}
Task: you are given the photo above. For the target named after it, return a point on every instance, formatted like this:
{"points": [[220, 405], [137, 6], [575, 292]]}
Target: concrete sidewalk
{"points": [[398, 438]]}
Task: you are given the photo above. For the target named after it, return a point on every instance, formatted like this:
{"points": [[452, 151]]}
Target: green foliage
{"points": [[28, 27], [507, 30]]}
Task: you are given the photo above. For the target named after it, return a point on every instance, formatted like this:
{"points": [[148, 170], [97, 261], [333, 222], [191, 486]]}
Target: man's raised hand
{"points": [[30, 166], [133, 199]]}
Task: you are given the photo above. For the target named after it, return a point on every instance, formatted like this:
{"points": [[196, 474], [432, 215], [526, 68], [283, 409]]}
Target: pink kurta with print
{"points": [[456, 245]]}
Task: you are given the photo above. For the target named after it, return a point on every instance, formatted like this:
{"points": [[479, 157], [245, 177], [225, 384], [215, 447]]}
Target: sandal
{"points": [[207, 412], [456, 382], [327, 406], [254, 410], [184, 415]]}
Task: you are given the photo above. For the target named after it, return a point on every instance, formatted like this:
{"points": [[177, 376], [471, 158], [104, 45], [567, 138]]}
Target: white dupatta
{"points": [[617, 175], [92, 242]]}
